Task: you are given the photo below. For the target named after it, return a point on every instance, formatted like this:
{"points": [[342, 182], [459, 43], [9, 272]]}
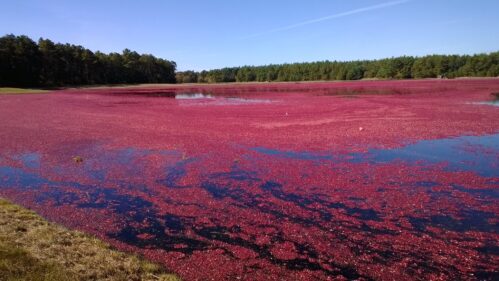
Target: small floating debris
{"points": [[78, 159]]}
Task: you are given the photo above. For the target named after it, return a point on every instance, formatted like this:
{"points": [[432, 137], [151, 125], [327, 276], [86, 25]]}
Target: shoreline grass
{"points": [[20, 91], [32, 248]]}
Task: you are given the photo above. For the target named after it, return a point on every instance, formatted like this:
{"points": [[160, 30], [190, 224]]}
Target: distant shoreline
{"points": [[13, 91]]}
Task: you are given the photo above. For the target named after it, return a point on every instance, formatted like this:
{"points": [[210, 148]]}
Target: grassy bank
{"points": [[18, 91], [33, 249]]}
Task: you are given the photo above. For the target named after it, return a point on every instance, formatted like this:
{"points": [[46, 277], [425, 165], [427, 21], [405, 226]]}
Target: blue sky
{"points": [[201, 34]]}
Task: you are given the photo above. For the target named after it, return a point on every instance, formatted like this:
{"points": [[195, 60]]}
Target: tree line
{"points": [[26, 63], [406, 67]]}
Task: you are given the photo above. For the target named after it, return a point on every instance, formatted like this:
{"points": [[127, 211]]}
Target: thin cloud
{"points": [[330, 17]]}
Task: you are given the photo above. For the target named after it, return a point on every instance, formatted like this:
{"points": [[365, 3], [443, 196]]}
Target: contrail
{"points": [[334, 16]]}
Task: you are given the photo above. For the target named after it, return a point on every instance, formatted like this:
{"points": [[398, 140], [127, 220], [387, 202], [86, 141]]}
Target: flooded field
{"points": [[287, 181]]}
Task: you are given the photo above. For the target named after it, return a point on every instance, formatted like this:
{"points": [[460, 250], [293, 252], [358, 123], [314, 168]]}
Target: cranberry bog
{"points": [[371, 180]]}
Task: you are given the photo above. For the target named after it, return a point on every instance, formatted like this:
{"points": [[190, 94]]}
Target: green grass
{"points": [[19, 91], [33, 249]]}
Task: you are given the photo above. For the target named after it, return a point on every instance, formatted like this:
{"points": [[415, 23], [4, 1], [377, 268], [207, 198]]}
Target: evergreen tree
{"points": [[25, 63]]}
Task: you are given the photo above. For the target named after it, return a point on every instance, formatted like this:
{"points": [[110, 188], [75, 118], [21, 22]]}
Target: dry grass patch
{"points": [[33, 249]]}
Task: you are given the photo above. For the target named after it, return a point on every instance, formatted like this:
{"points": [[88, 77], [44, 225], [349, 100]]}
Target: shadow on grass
{"points": [[17, 264]]}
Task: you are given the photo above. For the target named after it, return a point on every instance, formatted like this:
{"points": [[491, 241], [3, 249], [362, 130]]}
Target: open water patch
{"points": [[479, 154], [193, 96]]}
